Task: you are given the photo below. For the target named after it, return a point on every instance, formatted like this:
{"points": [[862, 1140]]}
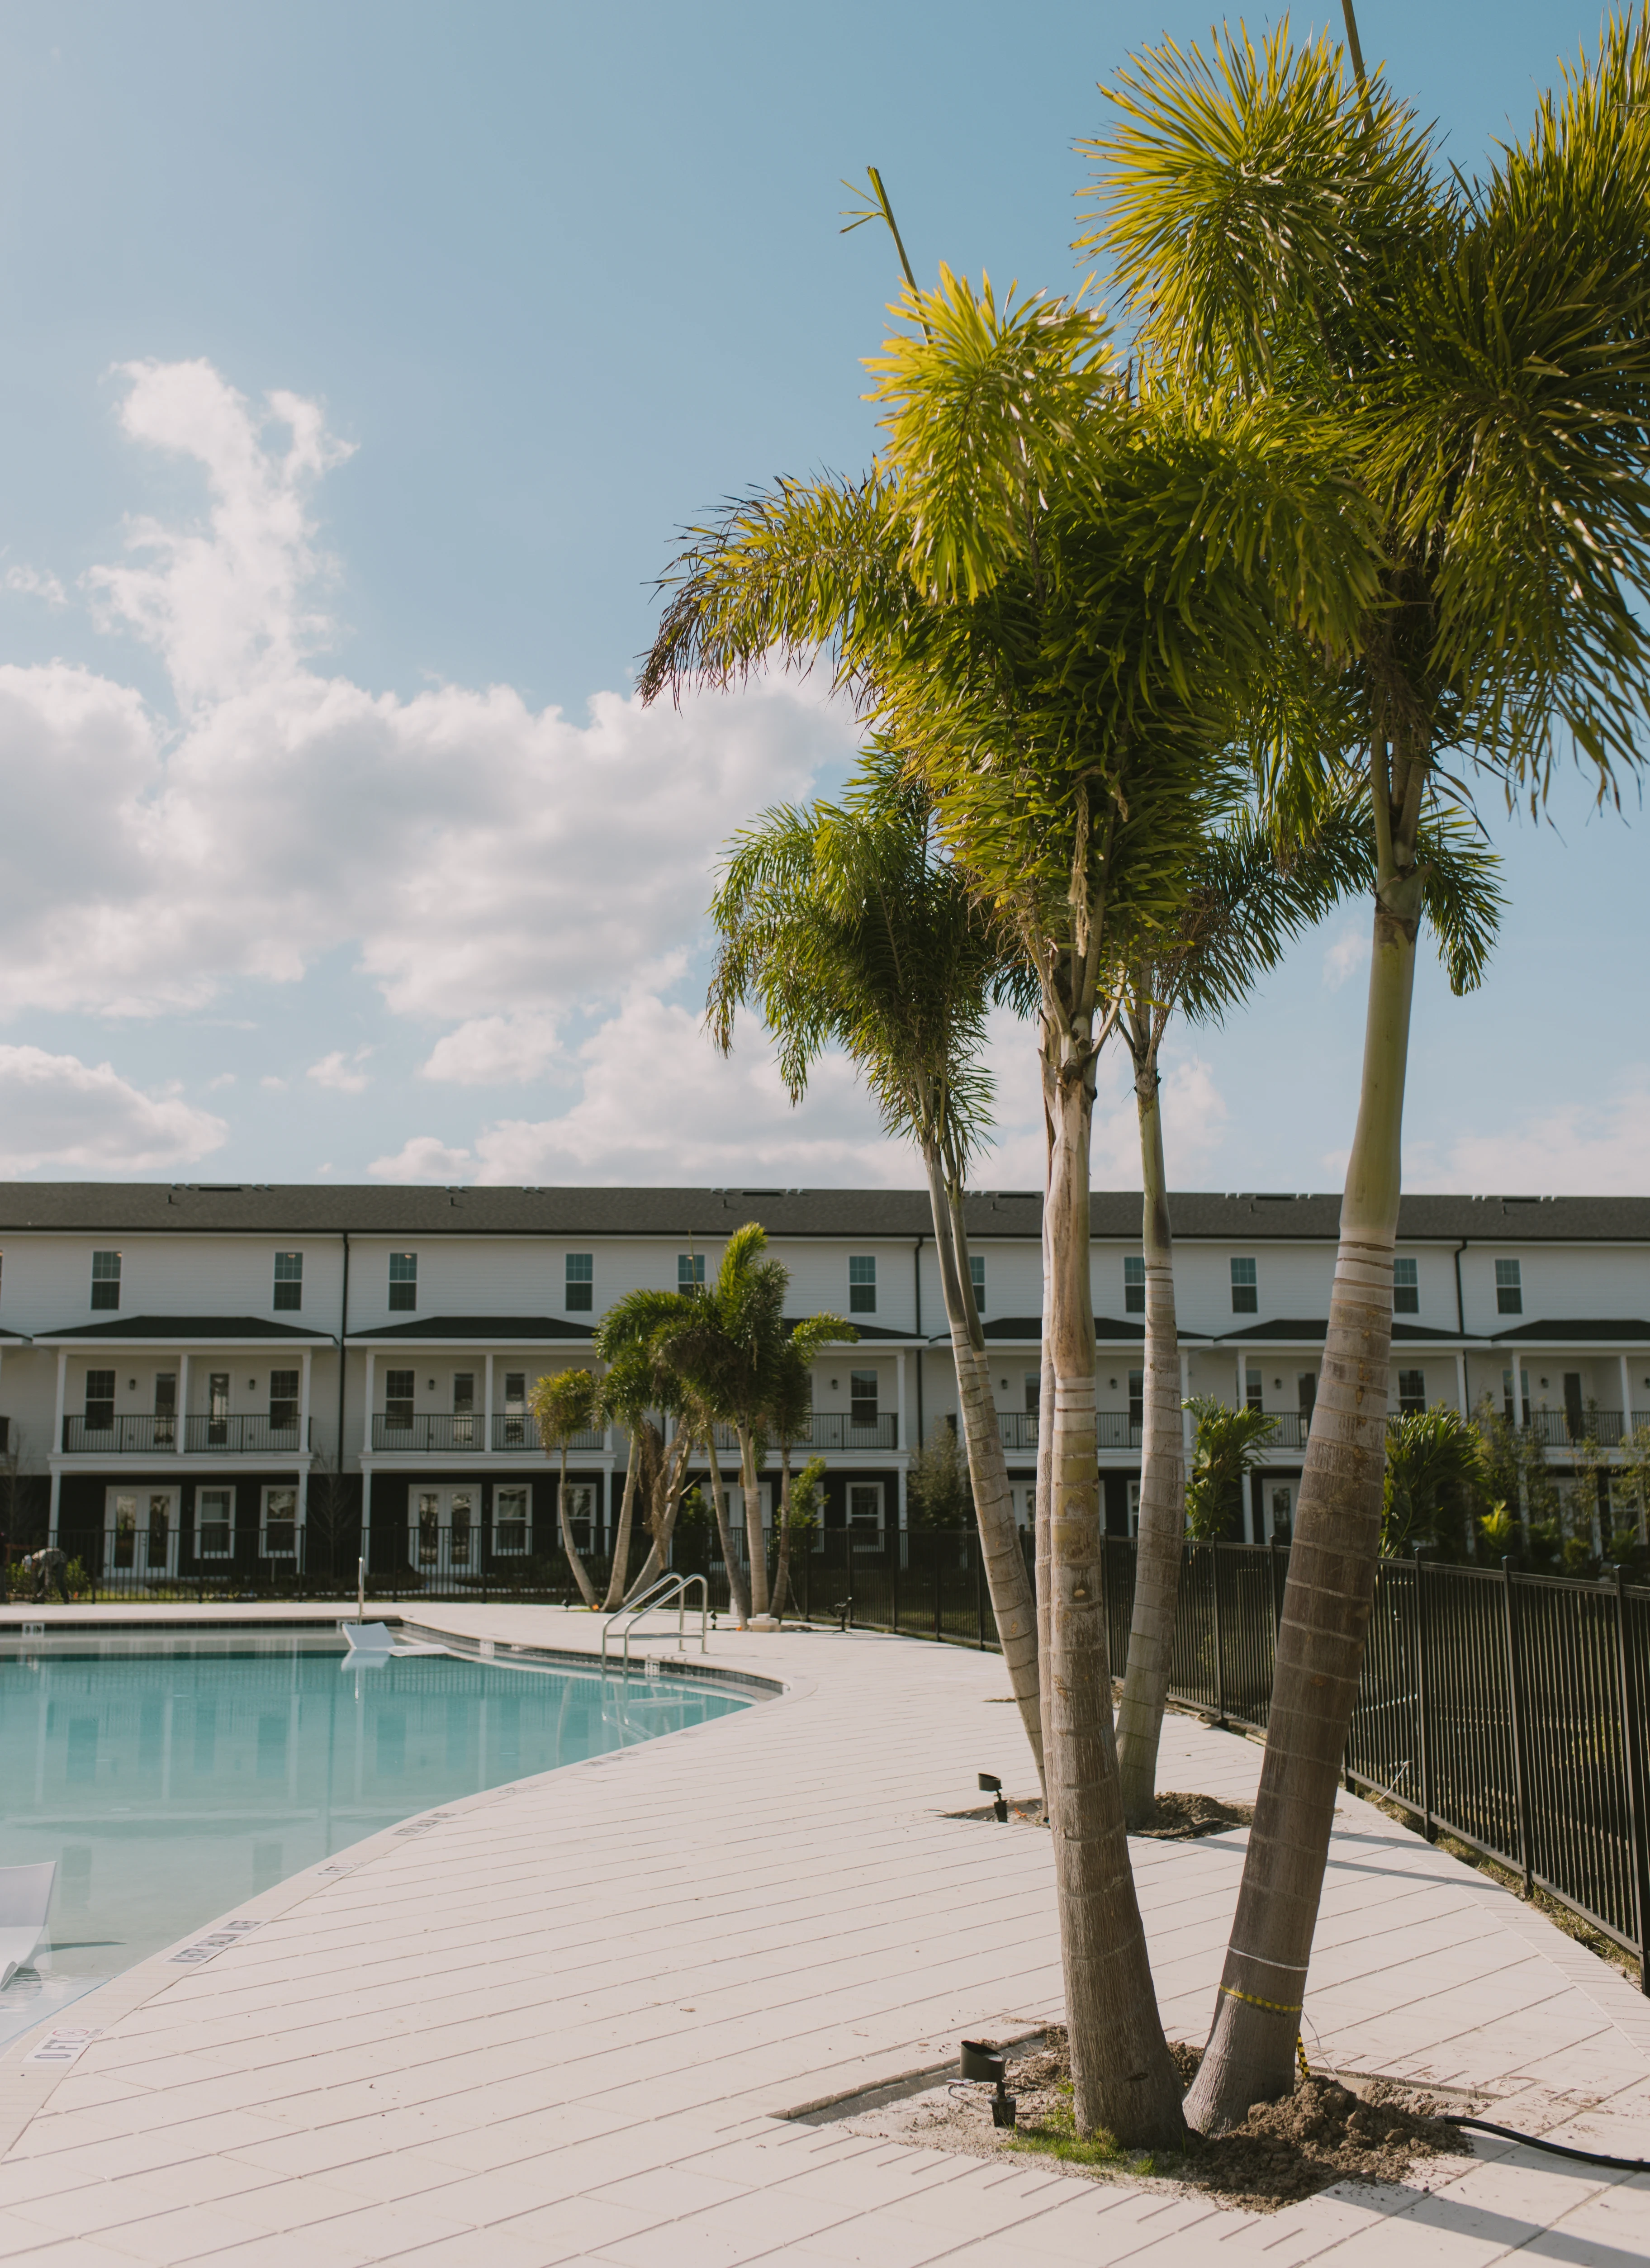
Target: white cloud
{"points": [[34, 583], [494, 866], [274, 1083], [339, 1071], [56, 1111], [1573, 1149], [224, 1078], [1345, 955], [495, 1050]]}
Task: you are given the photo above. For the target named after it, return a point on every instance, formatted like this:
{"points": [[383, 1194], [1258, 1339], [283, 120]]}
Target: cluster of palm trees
{"points": [[1163, 647], [722, 1354]]}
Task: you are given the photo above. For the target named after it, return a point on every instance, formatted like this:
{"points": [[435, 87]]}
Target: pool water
{"points": [[173, 1778]]}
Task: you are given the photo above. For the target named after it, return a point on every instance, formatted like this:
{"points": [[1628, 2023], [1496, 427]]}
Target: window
{"points": [[217, 1410], [862, 1409], [581, 1282], [279, 1540], [1134, 1507], [1307, 1395], [689, 1271], [106, 1279], [214, 1522], [862, 1286], [976, 1277], [512, 1427], [1033, 1393], [165, 1409], [1412, 1391], [464, 1409], [1281, 1512], [398, 1401], [283, 1399], [865, 1505], [1509, 1288], [289, 1280], [1406, 1288], [461, 1526], [427, 1527], [1137, 1397], [1134, 1284], [403, 1279], [1517, 1410], [1245, 1296], [580, 1512], [1253, 1384], [144, 1530], [99, 1402], [510, 1519]]}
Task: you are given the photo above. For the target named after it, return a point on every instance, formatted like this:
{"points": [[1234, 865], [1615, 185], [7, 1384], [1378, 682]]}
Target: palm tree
{"points": [[1436, 1472], [626, 1398], [845, 926], [627, 1340], [1226, 1444], [734, 1347], [1051, 592], [1251, 891], [565, 1403], [1478, 351]]}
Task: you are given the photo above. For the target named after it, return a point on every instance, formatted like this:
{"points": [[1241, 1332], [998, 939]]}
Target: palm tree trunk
{"points": [[1327, 1600], [621, 1542], [737, 1598], [1014, 1602], [1162, 1477], [781, 1573], [756, 1543], [587, 1589], [670, 1482], [1123, 2079]]}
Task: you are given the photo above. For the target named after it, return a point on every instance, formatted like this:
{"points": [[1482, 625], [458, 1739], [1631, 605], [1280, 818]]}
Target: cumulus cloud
{"points": [[1572, 1149], [339, 1071], [495, 1050], [36, 582], [1345, 955], [84, 1118]]}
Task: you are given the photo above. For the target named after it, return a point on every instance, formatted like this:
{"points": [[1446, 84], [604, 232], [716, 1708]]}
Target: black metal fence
{"points": [[1510, 1711]]}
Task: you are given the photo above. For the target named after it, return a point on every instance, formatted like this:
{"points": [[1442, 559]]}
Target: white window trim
{"points": [[281, 1488], [228, 1551]]}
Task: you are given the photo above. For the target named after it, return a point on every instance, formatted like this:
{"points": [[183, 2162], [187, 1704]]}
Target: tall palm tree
{"points": [[628, 1339], [1051, 592], [733, 1347], [845, 925], [1251, 891], [1480, 353], [565, 1403]]}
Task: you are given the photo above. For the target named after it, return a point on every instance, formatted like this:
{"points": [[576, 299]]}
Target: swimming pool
{"points": [[172, 1778]]}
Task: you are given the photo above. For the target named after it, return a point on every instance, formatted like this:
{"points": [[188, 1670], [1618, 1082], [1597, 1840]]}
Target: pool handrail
{"points": [[658, 1597]]}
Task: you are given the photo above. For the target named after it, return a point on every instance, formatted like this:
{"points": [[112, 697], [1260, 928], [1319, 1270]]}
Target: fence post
{"points": [[808, 1579], [1636, 1821], [899, 1553], [1278, 1591], [1515, 1687], [938, 1632], [978, 1557], [1427, 1828], [1219, 1637]]}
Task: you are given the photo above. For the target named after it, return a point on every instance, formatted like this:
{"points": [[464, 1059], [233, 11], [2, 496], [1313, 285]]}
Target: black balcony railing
{"points": [[119, 1437], [240, 1436], [128, 1437], [436, 1432], [832, 1429]]}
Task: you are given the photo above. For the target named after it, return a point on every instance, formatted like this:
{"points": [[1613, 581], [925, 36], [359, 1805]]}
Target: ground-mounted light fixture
{"points": [[989, 1784], [984, 2065]]}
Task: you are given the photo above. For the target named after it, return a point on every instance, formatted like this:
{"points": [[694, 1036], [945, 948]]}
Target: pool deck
{"points": [[574, 2018]]}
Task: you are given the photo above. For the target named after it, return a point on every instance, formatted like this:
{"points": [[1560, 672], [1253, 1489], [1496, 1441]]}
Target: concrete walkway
{"points": [[573, 2019]]}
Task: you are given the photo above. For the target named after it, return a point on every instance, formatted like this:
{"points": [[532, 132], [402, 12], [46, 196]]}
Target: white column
{"points": [[1626, 1403], [182, 1421], [366, 1457], [303, 1405], [486, 1410], [1461, 1382], [62, 1396], [51, 1517], [366, 1415], [1238, 1404], [899, 1404]]}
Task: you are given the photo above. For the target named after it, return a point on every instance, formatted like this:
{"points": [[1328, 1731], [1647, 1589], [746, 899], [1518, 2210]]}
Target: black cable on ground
{"points": [[1557, 2149]]}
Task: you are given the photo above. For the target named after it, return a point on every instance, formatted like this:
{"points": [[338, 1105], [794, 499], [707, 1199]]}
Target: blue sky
{"points": [[359, 364]]}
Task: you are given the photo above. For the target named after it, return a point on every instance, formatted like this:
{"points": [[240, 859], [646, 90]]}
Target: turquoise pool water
{"points": [[172, 1778]]}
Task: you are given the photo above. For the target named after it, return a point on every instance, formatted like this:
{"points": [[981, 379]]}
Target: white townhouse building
{"points": [[207, 1374]]}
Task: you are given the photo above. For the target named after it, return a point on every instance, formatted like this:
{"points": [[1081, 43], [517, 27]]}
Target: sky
{"points": [[360, 367]]}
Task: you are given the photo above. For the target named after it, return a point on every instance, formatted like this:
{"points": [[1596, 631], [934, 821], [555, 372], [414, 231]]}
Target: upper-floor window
{"points": [[1411, 1390], [1137, 1397], [689, 1271], [106, 1279], [99, 1402], [289, 1280], [1133, 1285], [398, 1393], [1406, 1287], [1245, 1294], [1033, 1392], [976, 1277], [862, 1409], [1254, 1388], [282, 1397], [1509, 1288], [862, 1284], [403, 1279], [581, 1282]]}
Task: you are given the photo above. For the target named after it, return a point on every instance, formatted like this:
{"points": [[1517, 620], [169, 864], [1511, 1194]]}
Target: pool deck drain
{"points": [[566, 2020]]}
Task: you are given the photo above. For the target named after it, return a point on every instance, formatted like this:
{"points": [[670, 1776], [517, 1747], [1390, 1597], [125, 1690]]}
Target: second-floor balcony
{"points": [[141, 1436], [832, 1429], [443, 1433]]}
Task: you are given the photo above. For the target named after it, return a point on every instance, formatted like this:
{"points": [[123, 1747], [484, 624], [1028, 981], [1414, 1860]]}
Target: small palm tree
{"points": [[565, 1403], [1226, 1442], [627, 1340], [1435, 1473]]}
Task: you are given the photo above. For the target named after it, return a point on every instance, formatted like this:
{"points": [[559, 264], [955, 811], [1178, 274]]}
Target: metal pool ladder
{"points": [[654, 1599]]}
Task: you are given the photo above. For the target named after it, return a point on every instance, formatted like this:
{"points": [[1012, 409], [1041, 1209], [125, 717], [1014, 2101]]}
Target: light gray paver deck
{"points": [[567, 2021]]}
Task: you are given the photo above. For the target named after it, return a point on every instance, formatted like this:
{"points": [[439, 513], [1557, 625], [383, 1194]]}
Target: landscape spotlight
{"points": [[979, 2060], [989, 1784]]}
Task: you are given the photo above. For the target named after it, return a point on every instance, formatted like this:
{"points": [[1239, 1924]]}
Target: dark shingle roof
{"points": [[517, 1329], [241, 1328], [296, 1209]]}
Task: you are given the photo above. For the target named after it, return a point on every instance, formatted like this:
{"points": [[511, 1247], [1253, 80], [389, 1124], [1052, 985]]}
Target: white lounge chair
{"points": [[26, 1896]]}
